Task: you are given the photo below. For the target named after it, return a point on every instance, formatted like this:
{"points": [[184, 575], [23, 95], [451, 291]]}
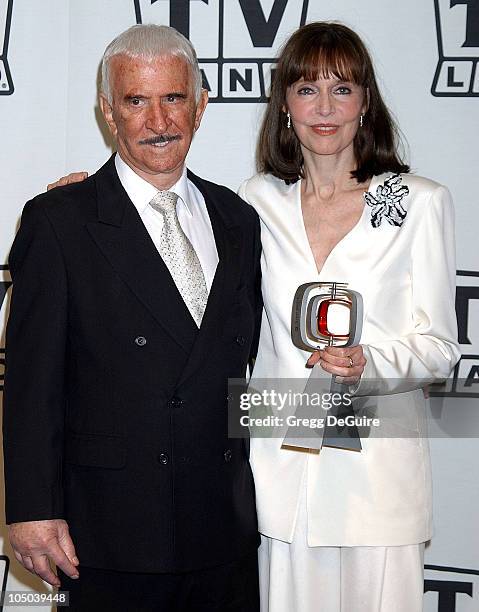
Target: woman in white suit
{"points": [[345, 531]]}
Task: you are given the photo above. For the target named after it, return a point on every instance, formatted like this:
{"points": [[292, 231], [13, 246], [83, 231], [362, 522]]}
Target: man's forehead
{"points": [[164, 62], [151, 71]]}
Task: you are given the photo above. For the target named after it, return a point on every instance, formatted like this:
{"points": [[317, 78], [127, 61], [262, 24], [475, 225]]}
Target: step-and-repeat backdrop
{"points": [[426, 55]]}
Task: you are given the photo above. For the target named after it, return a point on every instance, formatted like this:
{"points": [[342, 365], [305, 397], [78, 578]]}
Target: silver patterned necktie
{"points": [[180, 257]]}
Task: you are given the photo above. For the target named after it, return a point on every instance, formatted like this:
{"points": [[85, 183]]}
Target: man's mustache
{"points": [[162, 138]]}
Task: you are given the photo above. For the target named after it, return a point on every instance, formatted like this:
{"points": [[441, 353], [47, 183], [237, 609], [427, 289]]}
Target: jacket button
{"points": [[163, 458], [176, 402], [240, 340], [140, 340], [227, 455]]}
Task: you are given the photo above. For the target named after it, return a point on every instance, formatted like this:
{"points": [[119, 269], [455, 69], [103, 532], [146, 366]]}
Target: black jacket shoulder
{"points": [[70, 201]]}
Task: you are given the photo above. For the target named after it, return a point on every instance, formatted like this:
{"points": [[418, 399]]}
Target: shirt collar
{"points": [[141, 192], [181, 188]]}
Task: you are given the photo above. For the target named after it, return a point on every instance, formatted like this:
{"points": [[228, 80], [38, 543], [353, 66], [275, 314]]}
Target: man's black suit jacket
{"points": [[115, 404]]}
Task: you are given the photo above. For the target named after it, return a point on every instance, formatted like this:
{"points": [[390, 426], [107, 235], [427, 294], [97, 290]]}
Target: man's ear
{"points": [[200, 109], [107, 112]]}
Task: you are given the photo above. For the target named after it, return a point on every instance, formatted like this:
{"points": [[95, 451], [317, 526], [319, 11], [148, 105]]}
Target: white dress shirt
{"points": [[192, 214]]}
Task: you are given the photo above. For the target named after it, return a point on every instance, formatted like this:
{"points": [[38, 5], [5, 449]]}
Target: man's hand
{"points": [[73, 177], [35, 543]]}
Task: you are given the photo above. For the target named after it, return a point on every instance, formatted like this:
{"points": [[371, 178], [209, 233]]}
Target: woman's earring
{"points": [[288, 120], [361, 120]]}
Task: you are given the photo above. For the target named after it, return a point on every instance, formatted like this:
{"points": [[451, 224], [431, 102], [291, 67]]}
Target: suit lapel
{"points": [[125, 242], [228, 240]]}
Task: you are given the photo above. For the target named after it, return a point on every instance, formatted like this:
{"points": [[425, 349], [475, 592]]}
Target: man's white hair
{"points": [[149, 41]]}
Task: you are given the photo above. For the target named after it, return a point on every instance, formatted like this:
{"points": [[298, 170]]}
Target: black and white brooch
{"points": [[386, 204]]}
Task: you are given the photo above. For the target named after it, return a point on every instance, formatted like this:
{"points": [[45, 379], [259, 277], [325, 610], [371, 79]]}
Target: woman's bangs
{"points": [[340, 62]]}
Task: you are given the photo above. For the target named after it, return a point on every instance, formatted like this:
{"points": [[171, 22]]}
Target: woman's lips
{"points": [[325, 129]]}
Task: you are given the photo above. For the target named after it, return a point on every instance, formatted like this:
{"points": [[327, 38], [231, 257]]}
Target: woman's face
{"points": [[325, 114]]}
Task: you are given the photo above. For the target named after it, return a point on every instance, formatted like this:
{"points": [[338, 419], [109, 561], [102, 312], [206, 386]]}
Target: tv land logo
{"points": [[5, 284], [454, 589], [6, 84], [236, 40], [464, 381], [4, 567], [457, 24]]}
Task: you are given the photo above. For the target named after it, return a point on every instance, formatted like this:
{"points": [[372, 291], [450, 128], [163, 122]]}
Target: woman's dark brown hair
{"points": [[324, 49]]}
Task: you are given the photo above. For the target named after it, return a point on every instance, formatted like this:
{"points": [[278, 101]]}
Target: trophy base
{"points": [[335, 434]]}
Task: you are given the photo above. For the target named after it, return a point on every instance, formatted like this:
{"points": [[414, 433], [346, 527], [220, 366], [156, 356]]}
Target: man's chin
{"points": [[158, 168], [162, 175]]}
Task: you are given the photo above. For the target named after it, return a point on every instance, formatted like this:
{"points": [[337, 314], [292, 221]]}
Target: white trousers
{"points": [[298, 578]]}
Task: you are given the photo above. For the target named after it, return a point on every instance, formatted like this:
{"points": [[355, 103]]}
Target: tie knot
{"points": [[164, 201]]}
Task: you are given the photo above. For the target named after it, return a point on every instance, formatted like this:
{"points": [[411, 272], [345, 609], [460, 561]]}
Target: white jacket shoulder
{"points": [[263, 185], [424, 194], [420, 185]]}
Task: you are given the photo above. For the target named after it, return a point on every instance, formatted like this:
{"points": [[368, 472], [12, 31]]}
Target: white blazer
{"points": [[406, 275]]}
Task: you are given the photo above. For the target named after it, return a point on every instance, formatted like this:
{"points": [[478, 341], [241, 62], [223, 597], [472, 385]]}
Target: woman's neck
{"points": [[328, 175]]}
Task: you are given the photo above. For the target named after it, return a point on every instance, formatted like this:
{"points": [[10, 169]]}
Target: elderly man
{"points": [[135, 297]]}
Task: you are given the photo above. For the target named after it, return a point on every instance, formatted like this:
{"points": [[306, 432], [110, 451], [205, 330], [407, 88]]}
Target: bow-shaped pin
{"points": [[386, 204]]}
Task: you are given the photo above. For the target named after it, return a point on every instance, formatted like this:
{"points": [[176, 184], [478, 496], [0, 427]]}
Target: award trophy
{"points": [[326, 314]]}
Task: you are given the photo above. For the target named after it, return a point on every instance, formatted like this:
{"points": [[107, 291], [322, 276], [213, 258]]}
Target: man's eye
{"points": [[135, 101]]}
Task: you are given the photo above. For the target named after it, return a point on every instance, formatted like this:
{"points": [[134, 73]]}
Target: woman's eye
{"points": [[343, 90], [304, 91]]}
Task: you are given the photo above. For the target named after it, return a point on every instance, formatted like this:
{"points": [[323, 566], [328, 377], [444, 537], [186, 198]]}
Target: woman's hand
{"points": [[73, 177], [346, 363]]}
